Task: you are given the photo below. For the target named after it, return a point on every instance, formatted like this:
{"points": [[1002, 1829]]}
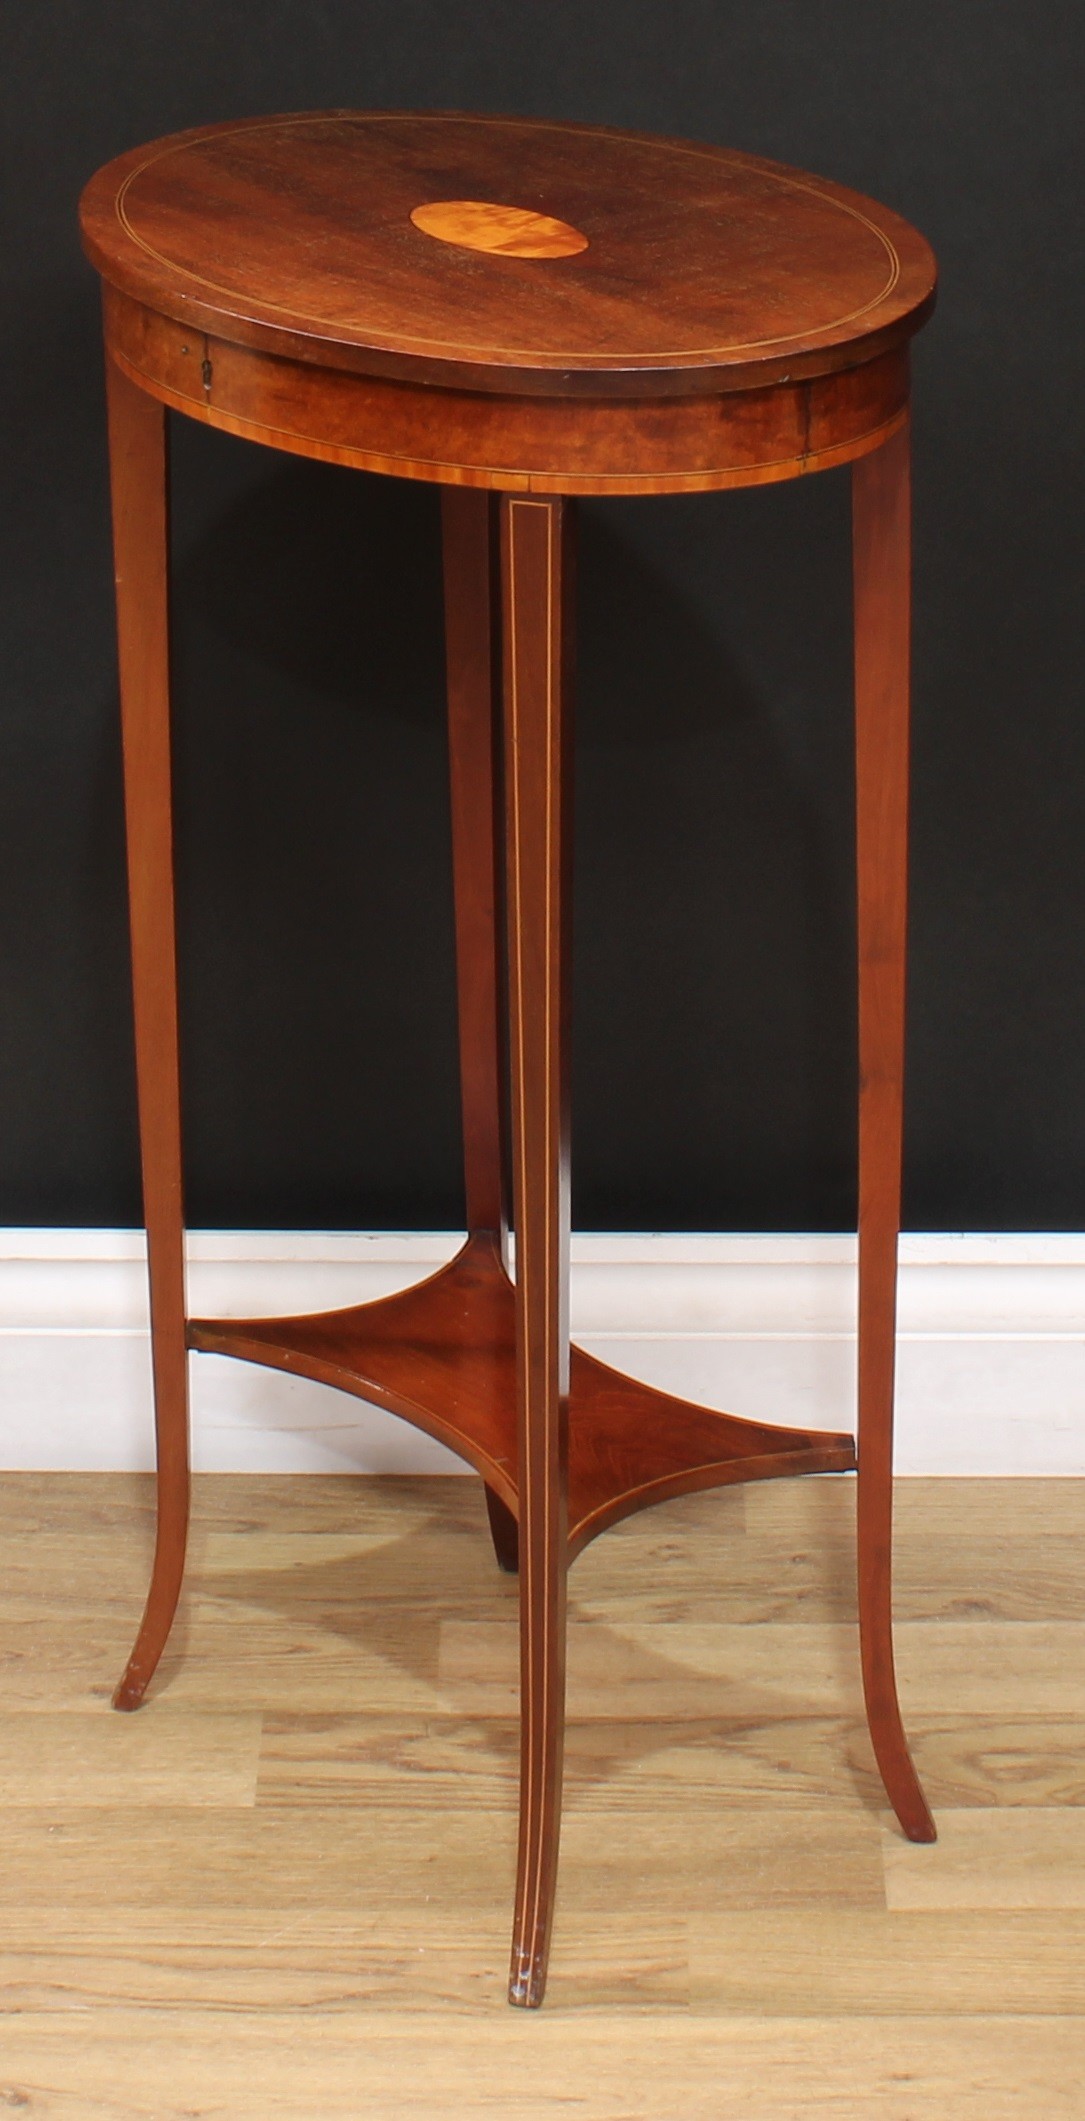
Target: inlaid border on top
{"points": [[460, 349]]}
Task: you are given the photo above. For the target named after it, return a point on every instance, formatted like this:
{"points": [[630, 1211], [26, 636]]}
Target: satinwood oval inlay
{"points": [[509, 231]]}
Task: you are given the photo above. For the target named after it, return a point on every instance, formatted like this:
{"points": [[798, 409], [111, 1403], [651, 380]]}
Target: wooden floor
{"points": [[283, 1888]]}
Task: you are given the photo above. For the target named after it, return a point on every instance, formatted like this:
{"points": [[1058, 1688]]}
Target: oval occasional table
{"points": [[523, 313]]}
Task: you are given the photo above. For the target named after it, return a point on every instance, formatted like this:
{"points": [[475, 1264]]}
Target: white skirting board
{"points": [[991, 1361]]}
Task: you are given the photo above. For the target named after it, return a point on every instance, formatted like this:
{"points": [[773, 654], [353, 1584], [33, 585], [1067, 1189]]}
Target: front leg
{"points": [[536, 559]]}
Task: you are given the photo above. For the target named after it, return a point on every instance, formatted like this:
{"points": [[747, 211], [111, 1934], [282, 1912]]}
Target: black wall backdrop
{"points": [[715, 1070]]}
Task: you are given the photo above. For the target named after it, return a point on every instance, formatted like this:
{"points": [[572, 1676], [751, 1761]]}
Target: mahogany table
{"points": [[522, 312]]}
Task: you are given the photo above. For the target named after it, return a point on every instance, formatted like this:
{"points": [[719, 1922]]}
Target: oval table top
{"points": [[507, 254]]}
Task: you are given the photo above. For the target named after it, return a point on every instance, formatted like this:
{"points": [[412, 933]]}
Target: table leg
{"points": [[472, 585], [882, 556], [137, 447], [537, 582]]}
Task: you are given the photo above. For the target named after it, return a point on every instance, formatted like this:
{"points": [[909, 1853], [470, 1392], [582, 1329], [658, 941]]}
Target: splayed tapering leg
{"points": [[137, 444], [536, 573], [882, 540]]}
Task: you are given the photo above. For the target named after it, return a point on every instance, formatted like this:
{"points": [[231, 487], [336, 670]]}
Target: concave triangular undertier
{"points": [[443, 1356]]}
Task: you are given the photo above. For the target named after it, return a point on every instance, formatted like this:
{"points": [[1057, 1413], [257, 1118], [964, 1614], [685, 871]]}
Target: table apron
{"points": [[514, 444]]}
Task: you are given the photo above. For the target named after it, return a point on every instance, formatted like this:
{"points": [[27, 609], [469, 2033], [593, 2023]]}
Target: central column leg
{"points": [[536, 574], [882, 539], [137, 448], [472, 586]]}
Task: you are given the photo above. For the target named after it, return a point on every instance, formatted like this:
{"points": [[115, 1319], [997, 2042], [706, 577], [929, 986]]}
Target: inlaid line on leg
{"points": [[470, 524], [537, 598]]}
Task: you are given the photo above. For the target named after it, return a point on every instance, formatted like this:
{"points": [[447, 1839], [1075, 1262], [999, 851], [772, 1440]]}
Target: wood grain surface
{"points": [[702, 268], [300, 1908], [517, 442], [443, 1354], [882, 544], [537, 603], [140, 506]]}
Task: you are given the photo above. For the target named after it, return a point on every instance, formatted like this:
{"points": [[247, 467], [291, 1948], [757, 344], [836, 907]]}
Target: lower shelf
{"points": [[443, 1356]]}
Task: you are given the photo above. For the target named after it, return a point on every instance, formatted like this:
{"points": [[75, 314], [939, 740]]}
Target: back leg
{"points": [[472, 653]]}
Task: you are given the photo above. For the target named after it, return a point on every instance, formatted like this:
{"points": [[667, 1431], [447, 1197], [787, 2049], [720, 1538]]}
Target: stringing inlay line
{"points": [[443, 346]]}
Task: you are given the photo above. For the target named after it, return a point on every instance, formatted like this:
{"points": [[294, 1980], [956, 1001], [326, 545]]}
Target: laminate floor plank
{"points": [[88, 1504], [610, 1765], [769, 1963], [760, 1579], [977, 1559], [747, 1580], [787, 1963], [463, 1856], [176, 1856], [316, 1958], [698, 1762], [983, 1760], [994, 1859], [1030, 1511], [95, 1758], [225, 1656], [167, 2066], [1029, 1668]]}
